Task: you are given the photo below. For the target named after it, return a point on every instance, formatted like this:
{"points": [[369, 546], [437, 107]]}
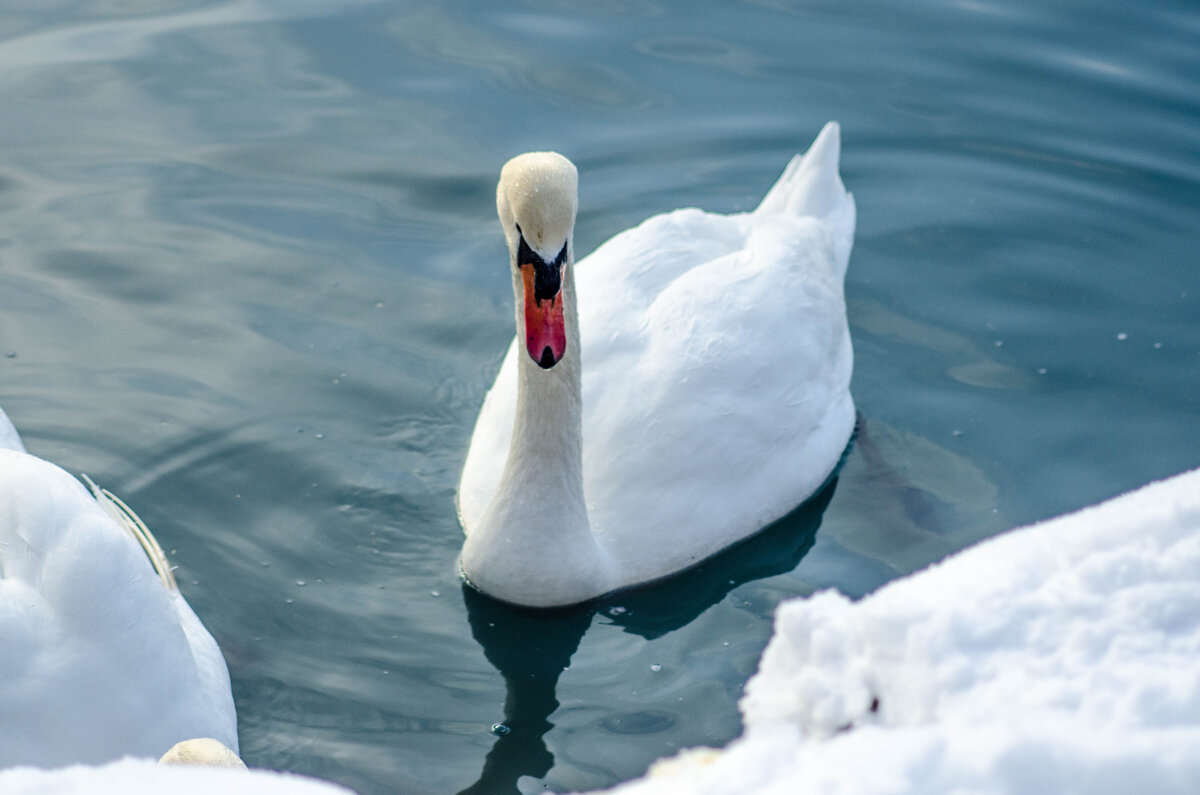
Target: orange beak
{"points": [[545, 329]]}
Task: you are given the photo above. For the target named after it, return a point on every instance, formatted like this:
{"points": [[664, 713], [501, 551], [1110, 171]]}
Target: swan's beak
{"points": [[545, 329]]}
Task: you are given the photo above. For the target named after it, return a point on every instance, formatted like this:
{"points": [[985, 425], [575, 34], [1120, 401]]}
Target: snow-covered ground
{"points": [[1061, 657], [146, 777]]}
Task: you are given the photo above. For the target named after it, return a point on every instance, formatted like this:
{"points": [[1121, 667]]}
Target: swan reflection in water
{"points": [[531, 648]]}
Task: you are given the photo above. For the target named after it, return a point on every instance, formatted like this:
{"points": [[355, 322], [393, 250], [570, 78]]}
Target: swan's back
{"points": [[716, 371], [97, 658]]}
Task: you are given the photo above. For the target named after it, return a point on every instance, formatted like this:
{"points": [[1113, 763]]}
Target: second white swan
{"points": [[100, 655]]}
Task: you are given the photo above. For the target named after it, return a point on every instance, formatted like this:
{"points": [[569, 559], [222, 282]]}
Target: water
{"points": [[251, 280]]}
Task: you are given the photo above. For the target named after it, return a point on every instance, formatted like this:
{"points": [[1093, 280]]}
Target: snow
{"points": [[1063, 657], [1060, 657], [131, 776]]}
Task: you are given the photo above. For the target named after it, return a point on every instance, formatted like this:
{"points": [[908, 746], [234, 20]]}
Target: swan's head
{"points": [[536, 199]]}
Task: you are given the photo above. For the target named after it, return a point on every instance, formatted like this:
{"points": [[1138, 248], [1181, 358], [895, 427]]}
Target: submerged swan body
{"points": [[682, 387], [100, 656]]}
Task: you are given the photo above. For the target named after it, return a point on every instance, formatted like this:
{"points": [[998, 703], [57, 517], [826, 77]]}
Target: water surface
{"points": [[251, 280]]}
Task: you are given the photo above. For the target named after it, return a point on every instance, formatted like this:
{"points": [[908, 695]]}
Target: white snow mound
{"points": [[1060, 657]]}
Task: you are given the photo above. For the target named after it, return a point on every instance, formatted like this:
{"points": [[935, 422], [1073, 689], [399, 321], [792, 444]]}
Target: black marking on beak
{"points": [[547, 276], [547, 360]]}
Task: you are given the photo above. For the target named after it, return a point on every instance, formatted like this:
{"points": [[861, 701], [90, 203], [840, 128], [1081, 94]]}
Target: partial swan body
{"points": [[679, 389], [201, 752], [100, 656]]}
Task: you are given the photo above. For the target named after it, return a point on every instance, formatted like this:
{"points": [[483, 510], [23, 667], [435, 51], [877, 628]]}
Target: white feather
{"points": [[716, 364], [100, 655]]}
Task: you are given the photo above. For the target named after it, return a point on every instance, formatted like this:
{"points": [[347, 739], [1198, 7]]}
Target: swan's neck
{"points": [[546, 454], [535, 536], [545, 457]]}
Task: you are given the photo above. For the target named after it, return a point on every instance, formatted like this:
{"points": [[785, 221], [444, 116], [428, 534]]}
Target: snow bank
{"points": [[1061, 657], [144, 777]]}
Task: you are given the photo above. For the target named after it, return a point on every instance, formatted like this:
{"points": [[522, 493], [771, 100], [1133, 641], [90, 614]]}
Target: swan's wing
{"points": [[99, 660], [810, 186], [489, 444], [124, 517], [735, 407], [615, 285], [211, 693]]}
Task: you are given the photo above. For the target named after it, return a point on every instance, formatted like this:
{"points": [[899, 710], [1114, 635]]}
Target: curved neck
{"points": [[547, 440], [545, 457], [534, 545]]}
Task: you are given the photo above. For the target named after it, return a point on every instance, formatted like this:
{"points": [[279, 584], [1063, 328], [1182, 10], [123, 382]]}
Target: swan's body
{"points": [[710, 397], [100, 656]]}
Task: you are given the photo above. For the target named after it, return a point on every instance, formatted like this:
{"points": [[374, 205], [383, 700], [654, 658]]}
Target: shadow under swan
{"points": [[531, 648]]}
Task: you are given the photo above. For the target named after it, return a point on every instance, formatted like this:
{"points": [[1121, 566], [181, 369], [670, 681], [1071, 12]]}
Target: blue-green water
{"points": [[251, 280]]}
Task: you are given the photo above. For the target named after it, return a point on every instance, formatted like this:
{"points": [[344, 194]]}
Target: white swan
{"points": [[100, 656], [696, 391]]}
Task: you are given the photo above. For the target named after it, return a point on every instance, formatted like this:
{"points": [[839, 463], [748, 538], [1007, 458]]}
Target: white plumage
{"points": [[100, 656], [716, 364]]}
